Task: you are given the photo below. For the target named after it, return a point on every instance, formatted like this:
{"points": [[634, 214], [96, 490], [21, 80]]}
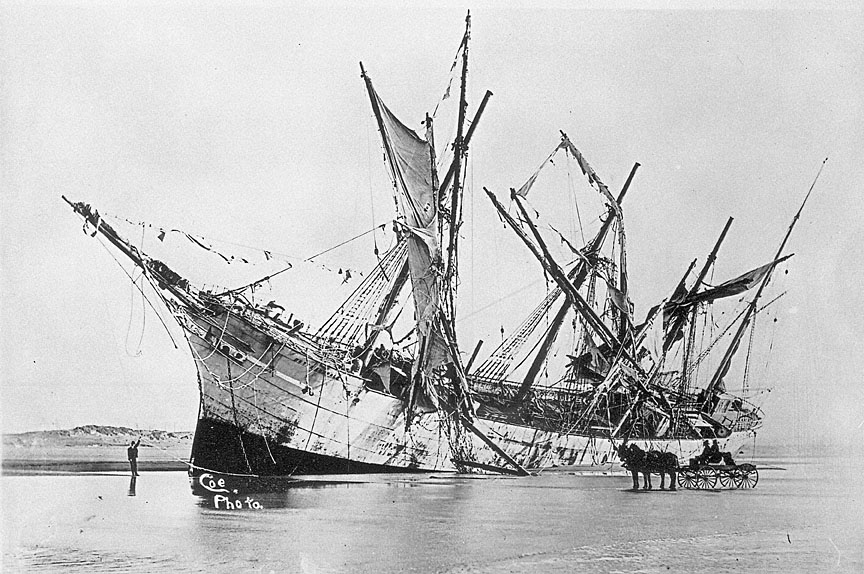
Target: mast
{"points": [[623, 327], [572, 294], [376, 109], [751, 308], [445, 183], [402, 273], [458, 151], [679, 319], [577, 275]]}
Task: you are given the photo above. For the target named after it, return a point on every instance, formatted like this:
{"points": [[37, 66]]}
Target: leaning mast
{"points": [[751, 308]]}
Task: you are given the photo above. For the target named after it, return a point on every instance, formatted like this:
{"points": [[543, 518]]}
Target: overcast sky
{"points": [[250, 125]]}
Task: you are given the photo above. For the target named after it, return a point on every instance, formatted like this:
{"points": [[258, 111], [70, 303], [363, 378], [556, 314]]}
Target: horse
{"points": [[637, 460]]}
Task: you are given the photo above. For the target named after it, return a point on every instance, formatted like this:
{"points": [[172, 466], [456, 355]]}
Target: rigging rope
{"points": [[371, 194], [129, 323], [572, 189], [381, 226], [142, 292], [195, 466], [745, 383]]}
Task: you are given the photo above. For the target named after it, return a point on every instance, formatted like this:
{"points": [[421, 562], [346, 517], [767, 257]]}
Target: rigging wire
{"points": [[137, 353], [267, 252], [371, 191], [142, 293], [131, 310], [745, 382], [571, 188]]}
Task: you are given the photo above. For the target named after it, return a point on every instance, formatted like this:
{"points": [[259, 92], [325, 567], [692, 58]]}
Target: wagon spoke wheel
{"points": [[747, 476], [686, 479], [706, 478], [727, 478]]}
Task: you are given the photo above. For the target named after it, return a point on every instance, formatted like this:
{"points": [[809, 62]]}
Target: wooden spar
{"points": [[577, 275], [526, 384], [463, 391], [133, 255], [712, 257], [678, 325], [679, 319], [473, 355], [402, 273], [607, 223], [751, 308], [458, 150], [386, 306], [622, 332], [376, 109], [542, 353], [513, 225], [448, 177], [470, 426], [576, 299], [430, 137]]}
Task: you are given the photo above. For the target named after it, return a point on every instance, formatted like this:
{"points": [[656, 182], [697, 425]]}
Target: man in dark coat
{"points": [[132, 453]]}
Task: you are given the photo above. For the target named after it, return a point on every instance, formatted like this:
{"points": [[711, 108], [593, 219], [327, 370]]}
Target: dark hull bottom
{"points": [[223, 448]]}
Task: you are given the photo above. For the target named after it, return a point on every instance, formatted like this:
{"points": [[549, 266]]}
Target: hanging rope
{"points": [[142, 292], [229, 383], [137, 353]]}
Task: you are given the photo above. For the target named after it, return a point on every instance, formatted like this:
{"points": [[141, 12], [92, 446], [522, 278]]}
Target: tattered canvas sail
{"points": [[411, 161], [735, 286]]}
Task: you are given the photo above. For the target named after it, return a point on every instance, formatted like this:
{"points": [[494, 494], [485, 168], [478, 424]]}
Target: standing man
{"points": [[132, 453]]}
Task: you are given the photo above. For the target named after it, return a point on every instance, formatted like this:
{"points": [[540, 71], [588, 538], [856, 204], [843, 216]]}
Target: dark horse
{"points": [[637, 460]]}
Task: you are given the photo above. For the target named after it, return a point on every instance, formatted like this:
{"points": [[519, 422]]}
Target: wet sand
{"points": [[803, 519], [64, 452]]}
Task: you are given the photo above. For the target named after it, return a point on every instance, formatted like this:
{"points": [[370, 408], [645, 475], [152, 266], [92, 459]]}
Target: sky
{"points": [[249, 125]]}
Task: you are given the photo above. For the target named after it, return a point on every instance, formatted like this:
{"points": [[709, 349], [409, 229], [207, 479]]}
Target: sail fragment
{"points": [[589, 172], [411, 160], [735, 286]]}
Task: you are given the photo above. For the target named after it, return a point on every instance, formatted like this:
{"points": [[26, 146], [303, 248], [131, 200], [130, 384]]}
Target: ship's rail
{"points": [[576, 389]]}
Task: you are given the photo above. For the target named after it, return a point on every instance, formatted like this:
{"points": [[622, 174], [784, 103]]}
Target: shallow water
{"points": [[808, 518]]}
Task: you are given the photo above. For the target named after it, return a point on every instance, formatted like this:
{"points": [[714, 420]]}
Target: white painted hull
{"points": [[293, 413]]}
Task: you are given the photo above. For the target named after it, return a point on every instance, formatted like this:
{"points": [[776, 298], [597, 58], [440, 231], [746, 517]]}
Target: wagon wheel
{"points": [[706, 478], [727, 478], [686, 479], [747, 476]]}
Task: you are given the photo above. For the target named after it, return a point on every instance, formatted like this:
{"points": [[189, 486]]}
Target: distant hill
{"points": [[94, 448], [93, 435]]}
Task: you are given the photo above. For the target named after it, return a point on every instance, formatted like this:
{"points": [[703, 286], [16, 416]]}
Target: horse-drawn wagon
{"points": [[699, 474], [706, 476]]}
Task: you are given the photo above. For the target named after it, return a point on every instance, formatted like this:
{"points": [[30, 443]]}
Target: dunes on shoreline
{"points": [[93, 448]]}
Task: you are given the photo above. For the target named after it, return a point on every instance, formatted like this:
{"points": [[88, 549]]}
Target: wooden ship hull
{"points": [[273, 404], [278, 400]]}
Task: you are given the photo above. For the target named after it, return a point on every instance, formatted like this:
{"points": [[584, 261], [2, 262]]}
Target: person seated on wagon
{"points": [[724, 457], [716, 456], [709, 452]]}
